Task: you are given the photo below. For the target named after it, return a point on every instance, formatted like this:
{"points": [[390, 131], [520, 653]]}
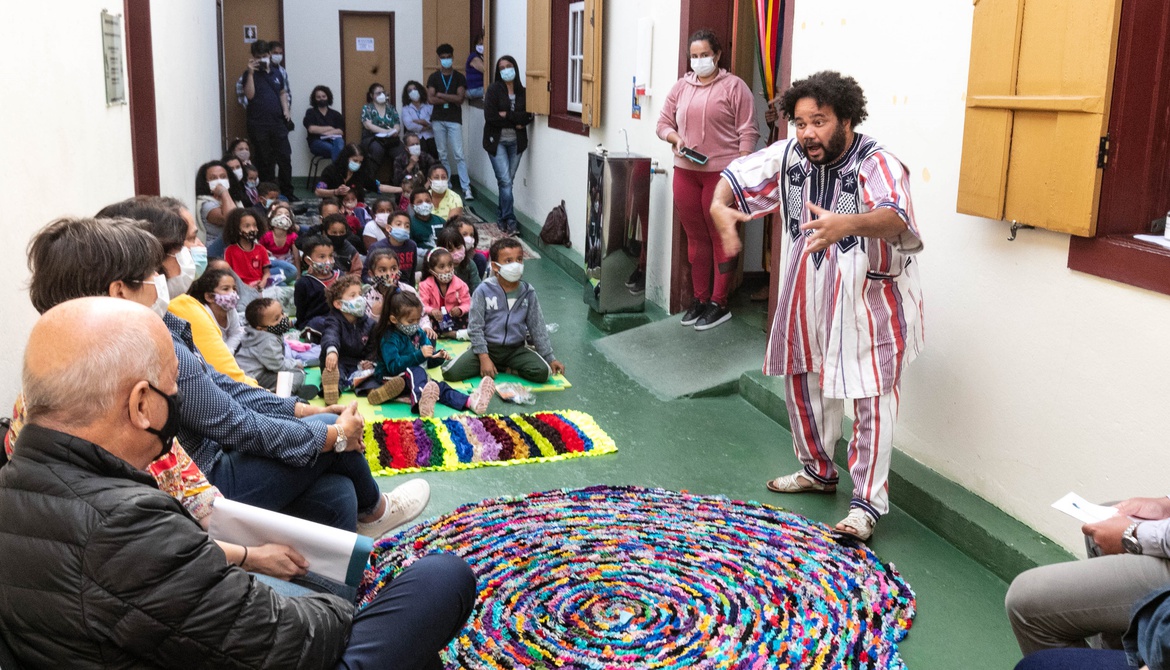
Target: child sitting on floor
{"points": [[248, 259], [375, 230], [404, 353], [463, 258], [504, 315], [281, 241], [345, 343], [263, 353], [444, 296], [356, 214], [345, 255], [400, 243], [471, 243], [317, 274]]}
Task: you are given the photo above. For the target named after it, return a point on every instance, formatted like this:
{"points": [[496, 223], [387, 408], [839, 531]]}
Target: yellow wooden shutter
{"points": [[1038, 92], [591, 64], [536, 80]]}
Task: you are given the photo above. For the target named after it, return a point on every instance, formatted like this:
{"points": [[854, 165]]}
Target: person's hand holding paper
{"points": [[1145, 508]]}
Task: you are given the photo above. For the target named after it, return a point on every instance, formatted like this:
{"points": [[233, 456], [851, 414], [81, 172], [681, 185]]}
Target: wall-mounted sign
{"points": [[249, 34], [365, 44], [112, 58]]}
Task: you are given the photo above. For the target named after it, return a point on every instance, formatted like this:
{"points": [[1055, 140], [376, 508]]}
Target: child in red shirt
{"points": [[248, 259]]}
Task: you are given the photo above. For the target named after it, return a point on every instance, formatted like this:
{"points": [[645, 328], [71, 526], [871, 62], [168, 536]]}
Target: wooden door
{"points": [[446, 22], [244, 21], [367, 57]]}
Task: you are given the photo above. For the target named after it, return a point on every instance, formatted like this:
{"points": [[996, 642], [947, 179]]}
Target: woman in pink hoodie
{"points": [[709, 111]]}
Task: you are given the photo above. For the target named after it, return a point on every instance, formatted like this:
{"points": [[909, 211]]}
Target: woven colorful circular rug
{"points": [[611, 578]]}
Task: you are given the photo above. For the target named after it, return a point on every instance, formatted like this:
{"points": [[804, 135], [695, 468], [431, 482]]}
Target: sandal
{"points": [[858, 520], [792, 484]]}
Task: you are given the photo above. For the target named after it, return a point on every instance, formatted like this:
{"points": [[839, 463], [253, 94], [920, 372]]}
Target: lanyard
{"points": [[446, 81]]}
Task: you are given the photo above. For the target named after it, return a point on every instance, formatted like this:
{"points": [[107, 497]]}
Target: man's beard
{"points": [[833, 151]]}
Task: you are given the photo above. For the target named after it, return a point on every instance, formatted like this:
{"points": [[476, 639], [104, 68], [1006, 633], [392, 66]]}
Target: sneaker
{"points": [[713, 316], [637, 282], [387, 392], [478, 402], [696, 310], [428, 398], [462, 335], [329, 382], [468, 195], [403, 505]]}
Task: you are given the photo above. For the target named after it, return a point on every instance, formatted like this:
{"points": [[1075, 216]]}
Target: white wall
{"points": [[186, 90], [74, 151], [312, 49], [1036, 380]]}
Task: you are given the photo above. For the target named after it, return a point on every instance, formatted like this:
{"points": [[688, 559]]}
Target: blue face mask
{"points": [[354, 166], [446, 62], [400, 234], [410, 329], [508, 73]]}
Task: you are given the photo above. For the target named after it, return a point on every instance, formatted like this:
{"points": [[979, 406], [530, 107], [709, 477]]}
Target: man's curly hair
{"points": [[830, 88]]}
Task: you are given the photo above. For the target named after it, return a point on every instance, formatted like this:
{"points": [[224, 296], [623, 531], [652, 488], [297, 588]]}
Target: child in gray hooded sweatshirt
{"points": [[505, 314]]}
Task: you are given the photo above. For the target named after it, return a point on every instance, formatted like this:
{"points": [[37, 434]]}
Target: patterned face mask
{"points": [[280, 327], [383, 282], [227, 301], [444, 277], [322, 268], [410, 329], [354, 307]]}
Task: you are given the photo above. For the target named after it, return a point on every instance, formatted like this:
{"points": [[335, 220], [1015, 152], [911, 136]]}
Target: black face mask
{"points": [[170, 429], [338, 241], [322, 103], [249, 236], [281, 327]]}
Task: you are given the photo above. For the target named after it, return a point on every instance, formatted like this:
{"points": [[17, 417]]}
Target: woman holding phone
{"points": [[709, 120]]}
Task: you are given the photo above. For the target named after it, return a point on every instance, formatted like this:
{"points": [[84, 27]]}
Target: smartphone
{"points": [[694, 156]]}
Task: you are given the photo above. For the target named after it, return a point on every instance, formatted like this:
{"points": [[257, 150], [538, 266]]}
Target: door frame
{"points": [[140, 87], [392, 86], [224, 100], [680, 269]]}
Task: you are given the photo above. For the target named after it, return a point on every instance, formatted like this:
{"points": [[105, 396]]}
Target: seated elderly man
{"points": [[101, 569], [1063, 604], [257, 448]]}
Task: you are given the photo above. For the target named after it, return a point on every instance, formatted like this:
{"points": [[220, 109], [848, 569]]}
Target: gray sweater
{"points": [[492, 322], [261, 351]]}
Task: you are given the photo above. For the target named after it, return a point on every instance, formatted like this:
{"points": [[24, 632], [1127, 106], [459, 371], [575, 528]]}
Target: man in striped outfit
{"points": [[849, 313]]}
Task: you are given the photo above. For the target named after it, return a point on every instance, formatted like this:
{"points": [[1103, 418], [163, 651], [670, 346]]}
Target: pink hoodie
{"points": [[717, 119]]}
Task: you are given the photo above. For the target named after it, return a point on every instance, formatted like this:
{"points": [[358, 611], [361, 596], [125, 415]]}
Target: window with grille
{"points": [[576, 54]]}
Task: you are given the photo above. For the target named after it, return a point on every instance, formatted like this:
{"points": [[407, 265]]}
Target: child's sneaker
{"points": [[329, 383], [387, 391], [461, 334], [428, 398], [478, 402], [403, 505]]}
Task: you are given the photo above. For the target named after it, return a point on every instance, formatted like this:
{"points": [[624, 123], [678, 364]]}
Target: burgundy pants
{"points": [[693, 192]]}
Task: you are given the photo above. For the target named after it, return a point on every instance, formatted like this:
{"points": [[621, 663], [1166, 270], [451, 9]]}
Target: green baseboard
{"points": [[990, 536]]}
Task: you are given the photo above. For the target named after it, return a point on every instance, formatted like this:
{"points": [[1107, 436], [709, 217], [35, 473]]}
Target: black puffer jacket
{"points": [[100, 569]]}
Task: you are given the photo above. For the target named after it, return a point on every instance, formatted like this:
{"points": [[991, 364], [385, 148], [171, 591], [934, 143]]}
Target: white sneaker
{"points": [[468, 195], [403, 505], [461, 334]]}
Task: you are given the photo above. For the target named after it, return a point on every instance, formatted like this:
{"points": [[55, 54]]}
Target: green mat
{"points": [[401, 410]]}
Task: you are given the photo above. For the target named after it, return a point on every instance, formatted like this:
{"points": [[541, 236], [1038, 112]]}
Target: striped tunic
{"points": [[852, 313]]}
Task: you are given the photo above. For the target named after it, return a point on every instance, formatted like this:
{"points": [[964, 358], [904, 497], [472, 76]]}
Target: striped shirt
{"points": [[852, 313]]}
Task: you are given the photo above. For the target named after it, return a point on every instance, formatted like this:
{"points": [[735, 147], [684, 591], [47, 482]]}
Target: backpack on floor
{"points": [[556, 227]]}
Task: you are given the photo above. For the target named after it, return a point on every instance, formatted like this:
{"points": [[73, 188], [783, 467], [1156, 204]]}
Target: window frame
{"points": [[576, 56], [1135, 186], [560, 117]]}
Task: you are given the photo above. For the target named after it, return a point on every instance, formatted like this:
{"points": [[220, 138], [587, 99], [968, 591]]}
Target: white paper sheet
{"points": [[1083, 510], [330, 551]]}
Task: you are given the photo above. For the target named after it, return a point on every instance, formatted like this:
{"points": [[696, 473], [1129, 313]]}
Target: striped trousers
{"points": [[816, 427]]}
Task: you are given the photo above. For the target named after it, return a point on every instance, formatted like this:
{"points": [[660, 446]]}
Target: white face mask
{"points": [[415, 149], [439, 185], [239, 173], [479, 49], [265, 60], [704, 67], [380, 98], [277, 58], [164, 296], [414, 95], [469, 241], [424, 209], [382, 218], [179, 284], [511, 271], [218, 182]]}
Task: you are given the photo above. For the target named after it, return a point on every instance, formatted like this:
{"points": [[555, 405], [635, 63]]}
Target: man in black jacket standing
{"points": [[101, 569]]}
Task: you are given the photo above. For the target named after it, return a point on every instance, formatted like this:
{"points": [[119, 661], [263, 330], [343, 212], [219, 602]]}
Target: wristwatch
{"points": [[1129, 540], [339, 443]]}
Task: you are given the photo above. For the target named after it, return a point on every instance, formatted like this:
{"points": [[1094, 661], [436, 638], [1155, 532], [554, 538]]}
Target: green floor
{"points": [[724, 445]]}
